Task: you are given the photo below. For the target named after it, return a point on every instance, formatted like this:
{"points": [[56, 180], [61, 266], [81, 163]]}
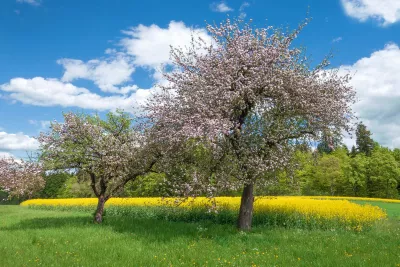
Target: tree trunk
{"points": [[246, 208], [98, 217]]}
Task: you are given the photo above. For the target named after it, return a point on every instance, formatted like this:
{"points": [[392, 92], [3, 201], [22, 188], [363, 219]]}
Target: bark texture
{"points": [[246, 208], [98, 218]]}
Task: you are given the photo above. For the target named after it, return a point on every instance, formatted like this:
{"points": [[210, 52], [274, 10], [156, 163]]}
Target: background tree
{"points": [[108, 152], [252, 95], [77, 186], [396, 154], [149, 185], [328, 143], [353, 152], [384, 174], [55, 183], [294, 178], [356, 174], [304, 171], [329, 174], [364, 142]]}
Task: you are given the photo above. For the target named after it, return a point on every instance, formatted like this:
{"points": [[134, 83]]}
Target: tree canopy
{"points": [[110, 152]]}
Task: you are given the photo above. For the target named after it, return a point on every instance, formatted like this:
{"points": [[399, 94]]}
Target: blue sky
{"points": [[98, 55]]}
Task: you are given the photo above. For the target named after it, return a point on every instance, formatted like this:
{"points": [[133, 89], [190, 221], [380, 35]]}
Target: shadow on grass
{"points": [[49, 222], [151, 230]]}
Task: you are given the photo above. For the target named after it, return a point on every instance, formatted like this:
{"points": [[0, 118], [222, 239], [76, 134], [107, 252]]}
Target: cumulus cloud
{"points": [[41, 91], [220, 7], [147, 47], [17, 141], [386, 12], [377, 82], [150, 45], [106, 74]]}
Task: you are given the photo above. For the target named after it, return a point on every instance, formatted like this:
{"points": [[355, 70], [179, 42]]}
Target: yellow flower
{"points": [[318, 209]]}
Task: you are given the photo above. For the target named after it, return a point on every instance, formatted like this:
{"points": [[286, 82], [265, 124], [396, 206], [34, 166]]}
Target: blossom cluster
{"points": [[19, 177]]}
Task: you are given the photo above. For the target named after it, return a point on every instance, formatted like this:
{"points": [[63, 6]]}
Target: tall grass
{"points": [[291, 212]]}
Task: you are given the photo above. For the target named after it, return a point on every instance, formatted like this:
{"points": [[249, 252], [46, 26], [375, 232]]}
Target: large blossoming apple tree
{"points": [[253, 95]]}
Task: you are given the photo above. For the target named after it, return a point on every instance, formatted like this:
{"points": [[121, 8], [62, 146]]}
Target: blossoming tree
{"points": [[111, 152], [20, 178], [253, 94]]}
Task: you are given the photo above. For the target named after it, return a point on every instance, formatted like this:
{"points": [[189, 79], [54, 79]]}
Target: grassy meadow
{"points": [[45, 237]]}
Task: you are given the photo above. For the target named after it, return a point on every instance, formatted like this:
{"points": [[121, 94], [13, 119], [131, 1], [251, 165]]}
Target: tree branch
{"points": [[93, 183]]}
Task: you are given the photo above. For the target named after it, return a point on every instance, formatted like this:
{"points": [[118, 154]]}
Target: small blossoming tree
{"points": [[252, 95], [20, 178], [111, 152]]}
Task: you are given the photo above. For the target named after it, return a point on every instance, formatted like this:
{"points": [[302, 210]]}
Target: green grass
{"points": [[30, 237]]}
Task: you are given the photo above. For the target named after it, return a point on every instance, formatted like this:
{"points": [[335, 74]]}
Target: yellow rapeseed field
{"points": [[357, 198], [319, 209]]}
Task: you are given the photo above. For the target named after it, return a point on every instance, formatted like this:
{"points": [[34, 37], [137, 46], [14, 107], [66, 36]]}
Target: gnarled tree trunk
{"points": [[98, 217], [246, 208]]}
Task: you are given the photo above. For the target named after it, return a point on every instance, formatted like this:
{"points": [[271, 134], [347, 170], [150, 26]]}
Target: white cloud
{"points": [[241, 9], [384, 11], [31, 2], [220, 7], [106, 74], [377, 82], [17, 141], [150, 45], [52, 92], [145, 46], [336, 40]]}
